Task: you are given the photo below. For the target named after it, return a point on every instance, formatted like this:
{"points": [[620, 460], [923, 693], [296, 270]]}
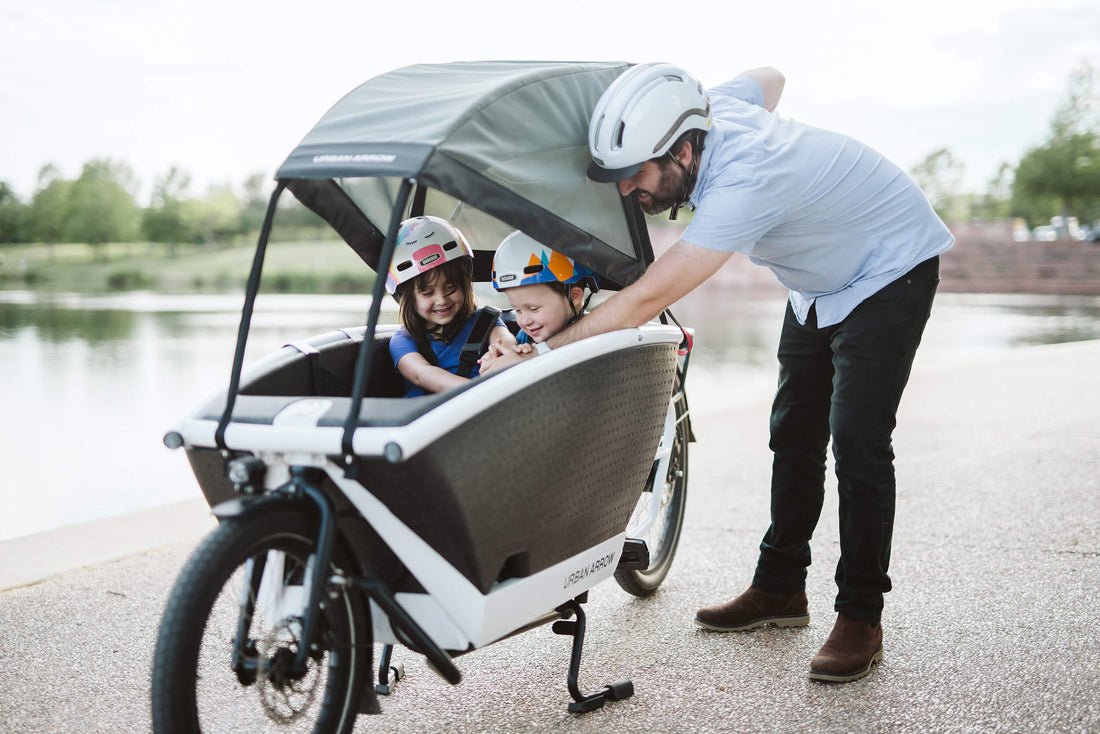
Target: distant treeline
{"points": [[100, 206], [1060, 178]]}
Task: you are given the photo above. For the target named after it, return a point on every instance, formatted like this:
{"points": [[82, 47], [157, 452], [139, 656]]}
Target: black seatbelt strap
{"points": [[475, 345], [425, 349]]}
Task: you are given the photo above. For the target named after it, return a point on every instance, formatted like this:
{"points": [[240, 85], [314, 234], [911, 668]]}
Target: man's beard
{"points": [[669, 190]]}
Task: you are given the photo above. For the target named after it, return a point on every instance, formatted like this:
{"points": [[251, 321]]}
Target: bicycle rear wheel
{"points": [[250, 574], [663, 536]]}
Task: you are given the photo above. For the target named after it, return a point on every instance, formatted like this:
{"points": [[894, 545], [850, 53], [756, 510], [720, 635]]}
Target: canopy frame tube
{"points": [[251, 290], [367, 346]]}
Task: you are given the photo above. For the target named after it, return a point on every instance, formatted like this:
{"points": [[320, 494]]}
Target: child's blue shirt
{"points": [[446, 353]]}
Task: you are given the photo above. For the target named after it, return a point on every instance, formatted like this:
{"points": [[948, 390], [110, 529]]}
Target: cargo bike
{"points": [[354, 520]]}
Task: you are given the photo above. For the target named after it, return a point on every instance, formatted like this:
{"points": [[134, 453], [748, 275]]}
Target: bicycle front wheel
{"points": [[230, 631]]}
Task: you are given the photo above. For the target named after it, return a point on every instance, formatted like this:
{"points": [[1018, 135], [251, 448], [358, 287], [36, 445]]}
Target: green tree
{"points": [[940, 177], [100, 208], [13, 215], [1080, 111], [216, 218], [257, 191], [1062, 176], [996, 202], [164, 220], [46, 218]]}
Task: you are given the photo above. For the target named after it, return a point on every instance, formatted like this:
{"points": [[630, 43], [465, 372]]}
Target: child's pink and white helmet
{"points": [[424, 243]]}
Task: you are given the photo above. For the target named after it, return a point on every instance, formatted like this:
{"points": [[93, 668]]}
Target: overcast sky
{"points": [[224, 89]]}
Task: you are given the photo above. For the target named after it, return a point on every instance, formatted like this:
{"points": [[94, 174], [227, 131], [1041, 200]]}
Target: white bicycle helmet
{"points": [[424, 243], [521, 260], [640, 115]]}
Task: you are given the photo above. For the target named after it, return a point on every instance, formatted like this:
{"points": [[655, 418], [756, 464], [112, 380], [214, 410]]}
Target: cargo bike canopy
{"points": [[492, 146]]}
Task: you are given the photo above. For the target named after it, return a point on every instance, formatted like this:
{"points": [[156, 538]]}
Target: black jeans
{"points": [[843, 381]]}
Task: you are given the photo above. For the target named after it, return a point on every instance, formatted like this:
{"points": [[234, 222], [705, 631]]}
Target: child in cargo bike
{"points": [[546, 290], [443, 332]]}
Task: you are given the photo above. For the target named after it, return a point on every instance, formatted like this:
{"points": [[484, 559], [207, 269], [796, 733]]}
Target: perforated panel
{"points": [[545, 474]]}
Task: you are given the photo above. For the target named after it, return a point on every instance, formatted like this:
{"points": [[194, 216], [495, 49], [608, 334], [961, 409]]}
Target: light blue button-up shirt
{"points": [[832, 218]]}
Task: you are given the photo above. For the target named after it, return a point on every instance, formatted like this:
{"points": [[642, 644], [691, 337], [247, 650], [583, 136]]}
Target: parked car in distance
{"points": [[1044, 233]]}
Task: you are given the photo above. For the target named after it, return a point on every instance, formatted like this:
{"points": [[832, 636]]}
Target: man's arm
{"points": [[771, 81], [671, 277]]}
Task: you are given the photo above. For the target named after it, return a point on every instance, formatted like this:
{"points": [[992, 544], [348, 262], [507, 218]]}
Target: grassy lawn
{"points": [[318, 266]]}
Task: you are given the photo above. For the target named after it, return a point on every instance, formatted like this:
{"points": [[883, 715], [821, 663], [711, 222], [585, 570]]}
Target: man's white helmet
{"points": [[644, 111]]}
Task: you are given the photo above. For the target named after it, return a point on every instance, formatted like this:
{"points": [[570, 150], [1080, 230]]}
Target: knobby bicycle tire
{"points": [[195, 688]]}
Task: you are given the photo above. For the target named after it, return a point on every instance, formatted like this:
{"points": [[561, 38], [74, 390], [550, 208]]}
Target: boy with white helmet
{"points": [[544, 287]]}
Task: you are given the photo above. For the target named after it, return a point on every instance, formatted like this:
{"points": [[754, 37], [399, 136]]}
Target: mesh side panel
{"points": [[540, 477]]}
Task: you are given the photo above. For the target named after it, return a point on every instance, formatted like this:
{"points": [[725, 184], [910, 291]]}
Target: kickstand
{"points": [[585, 702], [386, 684]]}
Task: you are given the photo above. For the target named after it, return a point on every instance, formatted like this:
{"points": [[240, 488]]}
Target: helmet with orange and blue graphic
{"points": [[520, 260], [424, 243]]}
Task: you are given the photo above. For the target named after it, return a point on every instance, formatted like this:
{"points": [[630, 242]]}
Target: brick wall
{"points": [[985, 259]]}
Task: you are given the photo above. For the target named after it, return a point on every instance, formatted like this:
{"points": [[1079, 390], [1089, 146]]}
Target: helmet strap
{"points": [[584, 306], [689, 178], [573, 306]]}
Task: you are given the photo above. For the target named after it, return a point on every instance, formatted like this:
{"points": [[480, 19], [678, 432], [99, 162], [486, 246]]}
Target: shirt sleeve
{"points": [[744, 88], [401, 343]]}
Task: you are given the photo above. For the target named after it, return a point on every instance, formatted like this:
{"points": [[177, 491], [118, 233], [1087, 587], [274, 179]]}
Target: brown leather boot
{"points": [[853, 646], [755, 608]]}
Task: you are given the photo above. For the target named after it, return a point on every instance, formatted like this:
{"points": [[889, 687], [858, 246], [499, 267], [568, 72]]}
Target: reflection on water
{"points": [[980, 322], [90, 384], [54, 322]]}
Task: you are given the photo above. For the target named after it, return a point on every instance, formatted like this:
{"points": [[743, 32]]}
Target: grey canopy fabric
{"points": [[507, 138]]}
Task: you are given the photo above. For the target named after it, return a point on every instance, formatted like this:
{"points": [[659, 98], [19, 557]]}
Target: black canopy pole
{"points": [[366, 349], [251, 290]]}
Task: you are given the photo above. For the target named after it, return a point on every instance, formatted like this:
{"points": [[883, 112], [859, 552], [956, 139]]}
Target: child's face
{"points": [[540, 311], [438, 300]]}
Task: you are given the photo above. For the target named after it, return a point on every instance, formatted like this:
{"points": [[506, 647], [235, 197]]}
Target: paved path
{"points": [[994, 623]]}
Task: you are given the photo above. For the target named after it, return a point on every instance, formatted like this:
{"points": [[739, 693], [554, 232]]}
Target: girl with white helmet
{"points": [[431, 277], [545, 289]]}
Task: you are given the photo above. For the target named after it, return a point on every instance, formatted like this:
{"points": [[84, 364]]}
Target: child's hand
{"points": [[498, 355], [487, 359], [494, 351]]}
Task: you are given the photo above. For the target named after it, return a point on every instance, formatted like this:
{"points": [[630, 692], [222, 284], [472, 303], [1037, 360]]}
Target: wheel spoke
{"points": [[196, 687]]}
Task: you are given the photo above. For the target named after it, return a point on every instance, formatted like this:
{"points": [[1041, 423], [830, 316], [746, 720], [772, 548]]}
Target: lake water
{"points": [[89, 384]]}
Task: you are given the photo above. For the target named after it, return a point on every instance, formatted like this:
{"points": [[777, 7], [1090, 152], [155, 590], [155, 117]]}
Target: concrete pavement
{"points": [[993, 624]]}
